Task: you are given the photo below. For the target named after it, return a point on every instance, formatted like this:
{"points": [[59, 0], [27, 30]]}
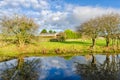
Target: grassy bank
{"points": [[67, 48]]}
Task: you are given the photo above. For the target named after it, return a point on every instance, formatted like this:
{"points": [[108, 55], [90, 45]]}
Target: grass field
{"points": [[68, 48]]}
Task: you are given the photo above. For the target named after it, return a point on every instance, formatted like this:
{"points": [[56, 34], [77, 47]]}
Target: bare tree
{"points": [[106, 25], [90, 28], [21, 27], [109, 24]]}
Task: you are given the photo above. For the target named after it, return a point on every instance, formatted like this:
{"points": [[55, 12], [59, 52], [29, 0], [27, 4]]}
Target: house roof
{"points": [[48, 34]]}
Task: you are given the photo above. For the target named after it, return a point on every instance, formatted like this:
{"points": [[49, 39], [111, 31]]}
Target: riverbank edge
{"points": [[7, 57]]}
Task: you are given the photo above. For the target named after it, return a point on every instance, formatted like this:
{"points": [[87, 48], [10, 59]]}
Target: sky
{"points": [[59, 15]]}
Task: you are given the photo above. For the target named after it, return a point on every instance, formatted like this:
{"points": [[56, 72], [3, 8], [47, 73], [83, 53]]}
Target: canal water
{"points": [[89, 67]]}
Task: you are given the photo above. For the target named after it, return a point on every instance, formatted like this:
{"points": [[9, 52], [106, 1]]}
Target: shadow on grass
{"points": [[76, 42], [82, 43]]}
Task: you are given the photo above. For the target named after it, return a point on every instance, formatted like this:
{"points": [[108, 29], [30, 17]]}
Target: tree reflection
{"points": [[25, 70], [109, 70]]}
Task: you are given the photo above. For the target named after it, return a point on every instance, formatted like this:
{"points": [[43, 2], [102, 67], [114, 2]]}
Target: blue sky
{"points": [[59, 14], [102, 3]]}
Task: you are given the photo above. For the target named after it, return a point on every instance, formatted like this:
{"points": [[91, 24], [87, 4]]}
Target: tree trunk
{"points": [[107, 41], [117, 43], [21, 42], [93, 42], [20, 62], [93, 62]]}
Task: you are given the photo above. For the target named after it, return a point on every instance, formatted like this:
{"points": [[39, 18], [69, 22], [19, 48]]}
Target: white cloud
{"points": [[53, 15], [85, 13], [55, 18], [45, 12], [43, 3], [35, 4]]}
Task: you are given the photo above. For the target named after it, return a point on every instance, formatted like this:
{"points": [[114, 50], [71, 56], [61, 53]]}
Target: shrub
{"points": [[61, 36], [54, 40]]}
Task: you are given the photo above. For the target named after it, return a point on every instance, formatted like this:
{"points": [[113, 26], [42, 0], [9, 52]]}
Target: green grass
{"points": [[68, 48], [71, 44]]}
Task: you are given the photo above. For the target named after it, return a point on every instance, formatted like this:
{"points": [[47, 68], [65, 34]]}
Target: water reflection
{"points": [[25, 70], [95, 67], [109, 70]]}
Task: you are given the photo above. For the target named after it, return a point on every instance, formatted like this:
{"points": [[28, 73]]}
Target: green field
{"points": [[71, 47]]}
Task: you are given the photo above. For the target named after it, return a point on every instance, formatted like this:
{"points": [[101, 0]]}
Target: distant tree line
{"points": [[67, 34], [71, 34], [107, 26], [45, 31]]}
